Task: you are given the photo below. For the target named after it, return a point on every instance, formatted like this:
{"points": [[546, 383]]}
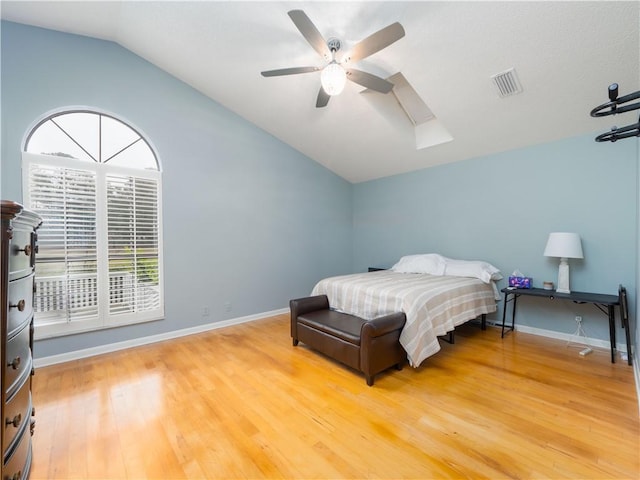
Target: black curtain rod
{"points": [[614, 106]]}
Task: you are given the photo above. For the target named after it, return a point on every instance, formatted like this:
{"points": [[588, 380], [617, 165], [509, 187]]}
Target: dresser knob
{"points": [[14, 363], [20, 306], [26, 250], [15, 422]]}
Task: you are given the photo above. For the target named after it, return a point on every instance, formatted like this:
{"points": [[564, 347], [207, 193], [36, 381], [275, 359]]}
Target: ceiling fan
{"points": [[337, 71]]}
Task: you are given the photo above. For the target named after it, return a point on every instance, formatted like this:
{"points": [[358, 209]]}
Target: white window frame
{"points": [[104, 319]]}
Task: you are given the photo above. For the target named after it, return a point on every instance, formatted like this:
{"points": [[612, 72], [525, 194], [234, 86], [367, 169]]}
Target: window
{"points": [[96, 183]]}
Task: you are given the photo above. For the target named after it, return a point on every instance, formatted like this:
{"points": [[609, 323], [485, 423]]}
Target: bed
{"points": [[435, 300]]}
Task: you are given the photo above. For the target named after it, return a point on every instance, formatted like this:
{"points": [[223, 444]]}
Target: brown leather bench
{"points": [[369, 346]]}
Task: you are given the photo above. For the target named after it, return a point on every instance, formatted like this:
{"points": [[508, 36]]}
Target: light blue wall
{"points": [[501, 208], [247, 220]]}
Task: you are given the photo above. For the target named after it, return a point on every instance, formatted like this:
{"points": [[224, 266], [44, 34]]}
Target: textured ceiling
{"points": [[565, 55]]}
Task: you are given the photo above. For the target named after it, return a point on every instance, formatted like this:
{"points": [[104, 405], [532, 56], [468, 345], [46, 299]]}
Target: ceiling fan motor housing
{"points": [[334, 44]]}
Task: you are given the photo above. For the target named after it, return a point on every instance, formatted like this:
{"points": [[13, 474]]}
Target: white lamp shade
{"points": [[333, 78], [564, 245]]}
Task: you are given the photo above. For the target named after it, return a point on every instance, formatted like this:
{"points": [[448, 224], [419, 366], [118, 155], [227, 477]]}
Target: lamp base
{"points": [[563, 276]]}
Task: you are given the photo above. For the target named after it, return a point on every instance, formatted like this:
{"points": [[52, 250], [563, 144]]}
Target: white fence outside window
{"points": [[125, 294]]}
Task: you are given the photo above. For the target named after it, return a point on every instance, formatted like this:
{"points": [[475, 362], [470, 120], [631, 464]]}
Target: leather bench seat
{"points": [[340, 325], [369, 346]]}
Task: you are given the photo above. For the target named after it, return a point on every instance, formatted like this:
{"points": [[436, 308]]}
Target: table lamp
{"points": [[564, 246]]}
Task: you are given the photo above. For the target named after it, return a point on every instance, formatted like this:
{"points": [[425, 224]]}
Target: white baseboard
{"points": [[567, 337], [136, 342], [114, 347]]}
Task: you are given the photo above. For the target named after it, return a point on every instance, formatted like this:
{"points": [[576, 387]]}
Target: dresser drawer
{"points": [[18, 360], [21, 256], [17, 415], [20, 295], [17, 466]]}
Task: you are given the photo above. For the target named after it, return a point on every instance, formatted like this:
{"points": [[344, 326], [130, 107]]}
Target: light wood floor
{"points": [[241, 402]]}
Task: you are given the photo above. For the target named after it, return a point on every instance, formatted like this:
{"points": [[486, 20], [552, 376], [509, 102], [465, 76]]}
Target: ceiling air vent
{"points": [[507, 83]]}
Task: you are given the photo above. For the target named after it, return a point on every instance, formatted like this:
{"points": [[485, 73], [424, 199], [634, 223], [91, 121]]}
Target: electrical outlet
{"points": [[205, 311], [578, 319], [228, 307]]}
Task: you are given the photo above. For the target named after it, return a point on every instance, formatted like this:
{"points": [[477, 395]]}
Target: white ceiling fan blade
{"points": [[368, 80], [310, 32], [374, 43], [289, 71]]}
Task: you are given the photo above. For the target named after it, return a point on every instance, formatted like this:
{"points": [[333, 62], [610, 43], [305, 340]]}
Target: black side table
{"points": [[605, 303]]}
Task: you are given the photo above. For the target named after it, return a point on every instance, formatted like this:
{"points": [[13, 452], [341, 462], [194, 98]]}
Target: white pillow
{"points": [[430, 263], [472, 268]]}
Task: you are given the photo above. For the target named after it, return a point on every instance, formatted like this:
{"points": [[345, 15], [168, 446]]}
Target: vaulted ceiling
{"points": [[565, 55]]}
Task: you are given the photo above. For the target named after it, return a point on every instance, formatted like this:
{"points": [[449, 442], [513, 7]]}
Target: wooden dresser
{"points": [[19, 244]]}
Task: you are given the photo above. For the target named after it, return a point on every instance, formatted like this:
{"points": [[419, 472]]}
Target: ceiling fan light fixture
{"points": [[333, 78]]}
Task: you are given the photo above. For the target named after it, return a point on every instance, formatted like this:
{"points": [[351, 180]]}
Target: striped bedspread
{"points": [[434, 305]]}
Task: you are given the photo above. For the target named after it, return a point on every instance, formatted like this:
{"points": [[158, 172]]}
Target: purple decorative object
{"points": [[520, 282]]}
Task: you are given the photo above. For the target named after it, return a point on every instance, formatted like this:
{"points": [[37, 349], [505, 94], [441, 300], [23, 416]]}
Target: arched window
{"points": [[96, 182]]}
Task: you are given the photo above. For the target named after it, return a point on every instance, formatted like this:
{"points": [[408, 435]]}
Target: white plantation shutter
{"points": [[67, 258], [98, 191], [132, 224]]}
